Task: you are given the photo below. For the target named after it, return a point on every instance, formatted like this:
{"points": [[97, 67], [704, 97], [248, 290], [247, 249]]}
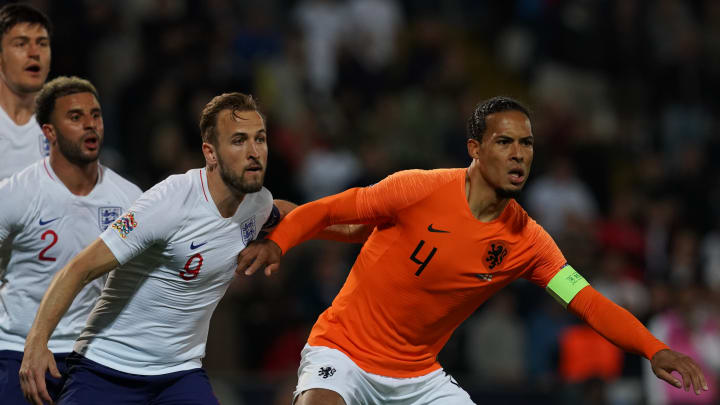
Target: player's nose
{"points": [[516, 153]]}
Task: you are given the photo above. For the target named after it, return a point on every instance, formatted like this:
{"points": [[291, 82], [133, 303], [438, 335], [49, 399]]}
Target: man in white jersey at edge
{"points": [[50, 211], [176, 249], [24, 67]]}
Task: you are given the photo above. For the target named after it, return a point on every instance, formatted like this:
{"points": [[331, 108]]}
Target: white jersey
{"points": [[42, 226], [177, 258], [20, 145]]}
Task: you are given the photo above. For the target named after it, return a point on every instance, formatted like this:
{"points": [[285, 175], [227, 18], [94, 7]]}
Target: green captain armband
{"points": [[565, 285]]}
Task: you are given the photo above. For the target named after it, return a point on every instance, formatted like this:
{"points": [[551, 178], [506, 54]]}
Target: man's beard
{"points": [[72, 151], [504, 193], [236, 183]]}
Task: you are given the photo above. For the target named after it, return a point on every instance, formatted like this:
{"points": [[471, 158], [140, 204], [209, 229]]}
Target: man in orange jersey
{"points": [[445, 241]]}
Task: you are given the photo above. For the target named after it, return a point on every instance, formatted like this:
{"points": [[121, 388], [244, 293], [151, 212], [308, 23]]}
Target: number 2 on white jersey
{"points": [[54, 236]]}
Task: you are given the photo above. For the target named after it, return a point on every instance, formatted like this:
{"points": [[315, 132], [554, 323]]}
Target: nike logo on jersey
{"points": [[193, 246], [43, 223], [431, 229]]}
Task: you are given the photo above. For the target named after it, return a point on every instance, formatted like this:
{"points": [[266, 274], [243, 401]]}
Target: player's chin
{"points": [[512, 191], [252, 185], [91, 154], [33, 84]]}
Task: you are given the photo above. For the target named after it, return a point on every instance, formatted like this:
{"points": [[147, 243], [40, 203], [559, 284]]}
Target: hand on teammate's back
{"points": [[257, 255], [666, 361], [32, 374]]}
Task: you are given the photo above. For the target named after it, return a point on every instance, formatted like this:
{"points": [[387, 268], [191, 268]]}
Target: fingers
{"points": [[33, 386], [245, 259], [52, 367], [42, 389], [271, 268], [693, 375], [257, 256], [664, 375], [255, 266]]}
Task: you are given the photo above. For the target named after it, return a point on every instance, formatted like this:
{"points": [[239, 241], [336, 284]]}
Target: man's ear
{"points": [[473, 148], [210, 154], [49, 132]]}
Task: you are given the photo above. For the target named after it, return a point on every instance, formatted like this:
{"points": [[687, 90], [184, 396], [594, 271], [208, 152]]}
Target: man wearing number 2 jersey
{"points": [[50, 211], [446, 240], [173, 254]]}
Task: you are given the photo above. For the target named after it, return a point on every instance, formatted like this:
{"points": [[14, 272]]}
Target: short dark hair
{"points": [[476, 124], [236, 102], [16, 13], [56, 88]]}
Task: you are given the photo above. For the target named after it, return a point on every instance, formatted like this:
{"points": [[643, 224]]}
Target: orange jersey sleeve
{"points": [[614, 323], [426, 267], [547, 259], [375, 204]]}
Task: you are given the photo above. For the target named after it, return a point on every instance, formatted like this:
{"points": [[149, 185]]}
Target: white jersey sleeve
{"points": [[13, 207], [151, 219]]}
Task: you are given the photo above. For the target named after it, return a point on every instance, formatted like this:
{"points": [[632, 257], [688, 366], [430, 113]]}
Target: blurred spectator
{"points": [[491, 360], [684, 258], [560, 201], [710, 258], [617, 279], [321, 23], [588, 363]]}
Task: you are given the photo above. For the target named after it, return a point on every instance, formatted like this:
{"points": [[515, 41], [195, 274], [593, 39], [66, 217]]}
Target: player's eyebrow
{"points": [[28, 38], [80, 110], [240, 133]]}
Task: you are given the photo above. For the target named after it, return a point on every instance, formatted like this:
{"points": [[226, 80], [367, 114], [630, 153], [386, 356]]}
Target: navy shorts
{"points": [[91, 383], [10, 391]]}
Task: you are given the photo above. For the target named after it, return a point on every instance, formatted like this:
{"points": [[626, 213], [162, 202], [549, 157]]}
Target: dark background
{"points": [[625, 116]]}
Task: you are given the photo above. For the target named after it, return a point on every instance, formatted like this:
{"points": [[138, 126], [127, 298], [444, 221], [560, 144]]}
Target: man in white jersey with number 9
{"points": [[51, 210], [176, 249]]}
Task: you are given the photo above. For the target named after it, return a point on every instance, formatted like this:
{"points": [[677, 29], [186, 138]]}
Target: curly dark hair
{"points": [[476, 124], [59, 87]]}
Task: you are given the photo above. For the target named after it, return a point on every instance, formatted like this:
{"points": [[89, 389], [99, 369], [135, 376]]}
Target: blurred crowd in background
{"points": [[626, 175]]}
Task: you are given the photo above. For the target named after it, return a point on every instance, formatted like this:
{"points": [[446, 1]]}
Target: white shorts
{"points": [[323, 367]]}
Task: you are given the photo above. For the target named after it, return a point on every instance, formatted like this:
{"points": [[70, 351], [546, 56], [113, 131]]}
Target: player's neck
{"points": [[484, 202], [79, 179], [20, 107], [225, 200]]}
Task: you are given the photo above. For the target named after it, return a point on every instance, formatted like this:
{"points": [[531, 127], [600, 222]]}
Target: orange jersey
{"points": [[427, 266]]}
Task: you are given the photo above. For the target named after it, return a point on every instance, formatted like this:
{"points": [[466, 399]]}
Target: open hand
{"points": [[259, 254], [35, 362], [666, 361]]}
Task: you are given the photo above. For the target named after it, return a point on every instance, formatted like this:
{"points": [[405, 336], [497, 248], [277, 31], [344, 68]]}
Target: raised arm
{"points": [[91, 263]]}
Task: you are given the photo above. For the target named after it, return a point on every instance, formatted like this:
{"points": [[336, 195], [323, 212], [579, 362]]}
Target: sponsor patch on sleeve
{"points": [[565, 285], [125, 224]]}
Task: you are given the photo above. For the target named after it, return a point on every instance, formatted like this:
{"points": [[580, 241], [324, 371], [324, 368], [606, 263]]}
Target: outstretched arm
{"points": [[301, 224], [624, 330], [349, 233], [91, 263]]}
